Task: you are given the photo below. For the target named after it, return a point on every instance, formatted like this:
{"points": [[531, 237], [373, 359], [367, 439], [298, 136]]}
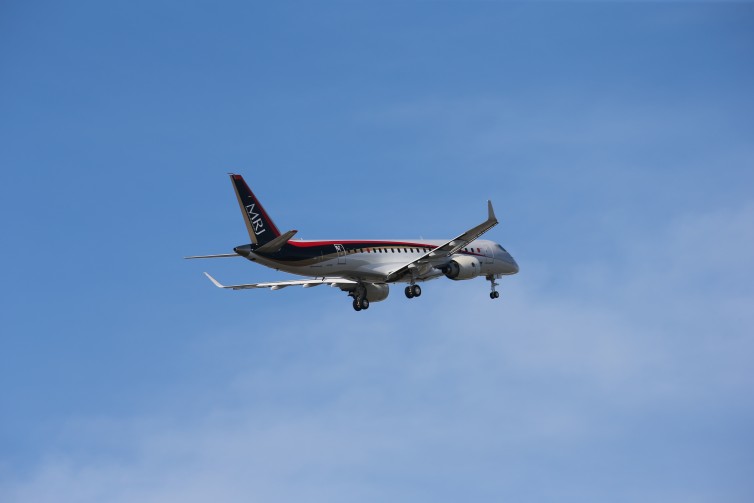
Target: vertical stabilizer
{"points": [[258, 223]]}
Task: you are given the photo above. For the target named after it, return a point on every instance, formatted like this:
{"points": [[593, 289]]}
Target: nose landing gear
{"points": [[494, 294]]}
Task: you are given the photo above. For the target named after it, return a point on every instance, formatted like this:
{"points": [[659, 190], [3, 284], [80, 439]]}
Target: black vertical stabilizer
{"points": [[258, 223]]}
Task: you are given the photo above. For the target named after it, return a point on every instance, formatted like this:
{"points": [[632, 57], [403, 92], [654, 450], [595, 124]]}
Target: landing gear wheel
{"points": [[494, 294], [416, 290], [356, 305], [409, 292], [364, 303]]}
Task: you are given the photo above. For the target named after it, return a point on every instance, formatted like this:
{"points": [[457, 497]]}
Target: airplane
{"points": [[364, 268]]}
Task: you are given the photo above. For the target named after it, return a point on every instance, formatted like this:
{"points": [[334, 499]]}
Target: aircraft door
{"points": [[341, 254]]}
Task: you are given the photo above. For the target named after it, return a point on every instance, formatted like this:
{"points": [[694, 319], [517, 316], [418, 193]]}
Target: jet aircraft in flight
{"points": [[365, 268]]}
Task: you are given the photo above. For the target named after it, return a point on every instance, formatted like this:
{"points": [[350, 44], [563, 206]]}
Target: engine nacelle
{"points": [[463, 267], [377, 292]]}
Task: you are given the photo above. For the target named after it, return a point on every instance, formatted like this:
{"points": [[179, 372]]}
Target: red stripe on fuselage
{"points": [[361, 244]]}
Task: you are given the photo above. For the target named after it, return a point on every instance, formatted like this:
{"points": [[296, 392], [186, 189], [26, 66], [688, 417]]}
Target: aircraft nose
{"points": [[513, 264], [243, 250]]}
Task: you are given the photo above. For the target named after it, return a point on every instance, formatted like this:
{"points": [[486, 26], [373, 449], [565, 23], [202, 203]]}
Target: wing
{"points": [[439, 255], [342, 283]]}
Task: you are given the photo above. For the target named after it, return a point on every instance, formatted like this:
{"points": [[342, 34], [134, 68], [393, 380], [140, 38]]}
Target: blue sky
{"points": [[615, 139]]}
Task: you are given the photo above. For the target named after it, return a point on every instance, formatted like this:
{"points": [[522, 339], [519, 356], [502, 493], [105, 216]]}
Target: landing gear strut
{"points": [[413, 291], [494, 294]]}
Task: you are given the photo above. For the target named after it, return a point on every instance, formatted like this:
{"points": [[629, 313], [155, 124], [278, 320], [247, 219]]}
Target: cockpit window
{"points": [[501, 248]]}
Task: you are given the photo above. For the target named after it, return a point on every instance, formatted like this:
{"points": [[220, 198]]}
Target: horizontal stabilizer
{"points": [[276, 244], [222, 255]]}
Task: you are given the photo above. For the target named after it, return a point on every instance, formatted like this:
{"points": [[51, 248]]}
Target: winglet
{"points": [[213, 280], [490, 211]]}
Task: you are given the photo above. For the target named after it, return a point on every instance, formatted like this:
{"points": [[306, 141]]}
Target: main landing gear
{"points": [[360, 301], [494, 294], [413, 291]]}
